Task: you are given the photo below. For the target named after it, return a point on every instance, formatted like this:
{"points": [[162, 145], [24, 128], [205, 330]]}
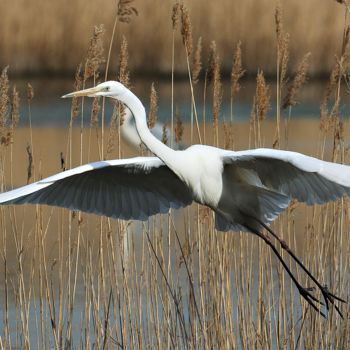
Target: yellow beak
{"points": [[87, 92]]}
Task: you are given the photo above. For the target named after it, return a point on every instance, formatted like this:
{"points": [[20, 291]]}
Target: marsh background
{"points": [[71, 280]]}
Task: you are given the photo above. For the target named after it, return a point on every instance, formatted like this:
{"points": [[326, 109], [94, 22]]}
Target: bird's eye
{"points": [[105, 89]]}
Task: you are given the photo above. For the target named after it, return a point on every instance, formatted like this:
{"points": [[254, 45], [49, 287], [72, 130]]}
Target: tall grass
{"points": [[71, 280]]}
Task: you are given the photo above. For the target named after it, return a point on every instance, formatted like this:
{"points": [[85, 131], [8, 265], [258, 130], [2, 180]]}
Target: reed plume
{"points": [[152, 117], [124, 73], [94, 111], [94, 57], [298, 81], [262, 96], [261, 104], [175, 15], [186, 30], [209, 73], [113, 127], [197, 64], [339, 70], [332, 82], [237, 70], [279, 28], [284, 61], [236, 74], [30, 92], [179, 128], [4, 100], [126, 10], [164, 134], [14, 117]]}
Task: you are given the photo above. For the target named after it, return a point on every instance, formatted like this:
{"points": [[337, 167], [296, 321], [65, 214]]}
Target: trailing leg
{"points": [[304, 292], [327, 295]]}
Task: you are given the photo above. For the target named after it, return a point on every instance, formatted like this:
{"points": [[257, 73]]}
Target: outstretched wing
{"points": [[293, 174], [128, 189]]}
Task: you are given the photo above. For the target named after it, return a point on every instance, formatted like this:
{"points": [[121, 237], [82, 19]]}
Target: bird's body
{"points": [[246, 189]]}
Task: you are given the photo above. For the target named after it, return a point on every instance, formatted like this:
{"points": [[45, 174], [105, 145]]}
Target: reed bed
{"points": [[71, 280], [57, 41]]}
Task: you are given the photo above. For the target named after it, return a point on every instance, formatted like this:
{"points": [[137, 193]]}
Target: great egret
{"points": [[131, 137], [246, 189]]}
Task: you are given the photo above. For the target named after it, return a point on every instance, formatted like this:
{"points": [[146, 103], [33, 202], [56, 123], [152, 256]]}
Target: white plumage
{"points": [[246, 189]]}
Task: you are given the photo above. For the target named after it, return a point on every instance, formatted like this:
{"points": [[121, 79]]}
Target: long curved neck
{"points": [[157, 147]]}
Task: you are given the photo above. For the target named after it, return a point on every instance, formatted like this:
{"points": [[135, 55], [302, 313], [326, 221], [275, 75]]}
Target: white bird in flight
{"points": [[131, 137], [246, 189]]}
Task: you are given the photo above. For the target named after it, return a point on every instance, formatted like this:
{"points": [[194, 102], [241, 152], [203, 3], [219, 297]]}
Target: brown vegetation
{"points": [[40, 36], [72, 280]]}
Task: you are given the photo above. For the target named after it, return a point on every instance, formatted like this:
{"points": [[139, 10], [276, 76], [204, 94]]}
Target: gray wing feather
{"points": [[298, 176], [131, 190]]}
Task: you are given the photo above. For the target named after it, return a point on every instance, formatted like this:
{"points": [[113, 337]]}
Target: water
{"points": [[47, 109]]}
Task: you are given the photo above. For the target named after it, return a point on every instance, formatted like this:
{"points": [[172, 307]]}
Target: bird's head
{"points": [[111, 88]]}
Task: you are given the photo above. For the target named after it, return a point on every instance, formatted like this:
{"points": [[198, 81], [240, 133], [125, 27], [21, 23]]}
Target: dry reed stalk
{"points": [[92, 61], [113, 129], [236, 74], [124, 78], [281, 66], [186, 31], [78, 83], [152, 117], [175, 20], [217, 90], [227, 135], [252, 121], [30, 96]]}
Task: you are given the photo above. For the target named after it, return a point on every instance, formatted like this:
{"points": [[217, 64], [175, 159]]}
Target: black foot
{"points": [[305, 293], [327, 295]]}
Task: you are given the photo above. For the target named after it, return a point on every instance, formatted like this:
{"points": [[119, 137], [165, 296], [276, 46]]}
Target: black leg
{"points": [[327, 295], [304, 292]]}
